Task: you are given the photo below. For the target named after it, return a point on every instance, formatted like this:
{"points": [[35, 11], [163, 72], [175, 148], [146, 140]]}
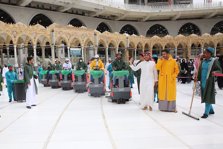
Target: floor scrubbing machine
{"points": [[80, 81], [55, 79], [96, 87], [66, 82], [45, 79], [120, 87]]}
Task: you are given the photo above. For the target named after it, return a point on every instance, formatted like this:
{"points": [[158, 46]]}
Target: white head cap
{"points": [[96, 56], [67, 59]]}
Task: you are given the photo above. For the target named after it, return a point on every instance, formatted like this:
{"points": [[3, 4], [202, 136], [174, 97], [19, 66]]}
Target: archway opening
{"points": [[102, 27], [217, 28], [157, 30], [41, 19], [188, 29], [76, 23], [129, 29], [5, 17]]}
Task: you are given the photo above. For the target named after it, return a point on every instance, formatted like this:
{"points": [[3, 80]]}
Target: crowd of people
{"points": [[156, 78]]}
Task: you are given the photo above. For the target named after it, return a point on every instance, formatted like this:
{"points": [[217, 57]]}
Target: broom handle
{"points": [[192, 100], [195, 85]]}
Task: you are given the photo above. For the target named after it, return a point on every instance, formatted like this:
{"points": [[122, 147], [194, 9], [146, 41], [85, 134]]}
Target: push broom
{"points": [[192, 100], [189, 113]]}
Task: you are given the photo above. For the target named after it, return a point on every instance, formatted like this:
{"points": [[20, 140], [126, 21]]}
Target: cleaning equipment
{"points": [[122, 92], [66, 82], [44, 79], [54, 79], [97, 87], [80, 81], [189, 113]]}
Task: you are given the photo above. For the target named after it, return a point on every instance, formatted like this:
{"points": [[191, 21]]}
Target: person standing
{"points": [[184, 71], [220, 79], [1, 81], [108, 68], [31, 87], [137, 73], [147, 82], [205, 75], [168, 72], [10, 78], [4, 70], [118, 65]]}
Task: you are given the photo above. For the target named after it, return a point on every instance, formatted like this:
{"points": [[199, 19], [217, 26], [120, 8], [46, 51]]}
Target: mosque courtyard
{"points": [[69, 120]]}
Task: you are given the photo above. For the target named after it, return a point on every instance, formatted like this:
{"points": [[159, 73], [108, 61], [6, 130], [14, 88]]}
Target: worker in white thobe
{"points": [[148, 81], [31, 87]]}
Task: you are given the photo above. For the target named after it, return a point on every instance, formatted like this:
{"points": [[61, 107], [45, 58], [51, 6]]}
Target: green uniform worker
{"points": [[1, 81], [118, 63], [11, 76], [81, 65]]}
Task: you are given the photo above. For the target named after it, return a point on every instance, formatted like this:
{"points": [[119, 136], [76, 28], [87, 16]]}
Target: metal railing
{"points": [[148, 8]]}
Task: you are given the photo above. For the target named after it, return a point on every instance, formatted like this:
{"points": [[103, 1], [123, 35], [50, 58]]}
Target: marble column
{"points": [[53, 54], [106, 54], [15, 56], [35, 55], [7, 48]]}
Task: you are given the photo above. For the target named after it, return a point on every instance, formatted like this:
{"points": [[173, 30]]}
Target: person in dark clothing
{"points": [[137, 73], [119, 65], [183, 71], [81, 65], [220, 79]]}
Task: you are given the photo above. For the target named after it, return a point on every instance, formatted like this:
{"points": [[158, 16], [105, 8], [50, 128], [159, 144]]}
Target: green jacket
{"points": [[57, 67], [208, 95], [28, 75], [81, 66], [1, 81], [119, 65]]}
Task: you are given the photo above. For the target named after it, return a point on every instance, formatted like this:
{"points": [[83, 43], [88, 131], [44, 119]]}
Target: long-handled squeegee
{"points": [[189, 113]]}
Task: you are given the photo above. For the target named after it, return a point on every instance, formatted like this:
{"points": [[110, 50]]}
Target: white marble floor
{"points": [[67, 120]]}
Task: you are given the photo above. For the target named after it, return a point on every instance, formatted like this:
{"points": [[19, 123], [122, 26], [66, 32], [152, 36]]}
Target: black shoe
{"points": [[33, 105], [10, 100], [204, 116], [28, 107], [211, 112]]}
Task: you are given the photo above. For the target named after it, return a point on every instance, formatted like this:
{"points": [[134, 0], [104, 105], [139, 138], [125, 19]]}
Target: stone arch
{"points": [[129, 29], [102, 27], [182, 50], [89, 50], [41, 19], [6, 17], [60, 39], [76, 22], [112, 49], [158, 30], [25, 39], [74, 42], [101, 51], [217, 28], [157, 48], [189, 28], [196, 49], [171, 47]]}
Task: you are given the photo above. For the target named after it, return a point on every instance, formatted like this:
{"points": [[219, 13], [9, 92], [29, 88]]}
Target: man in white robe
{"points": [[31, 87], [67, 65], [4, 70], [148, 80]]}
